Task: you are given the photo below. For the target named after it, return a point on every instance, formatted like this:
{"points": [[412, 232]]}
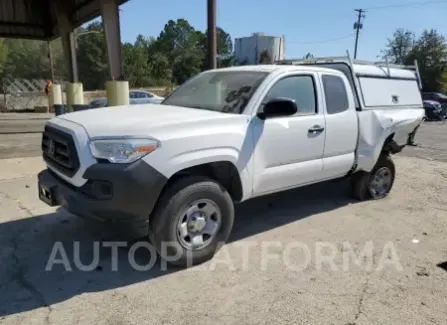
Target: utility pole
{"points": [[50, 57], [212, 34], [358, 26]]}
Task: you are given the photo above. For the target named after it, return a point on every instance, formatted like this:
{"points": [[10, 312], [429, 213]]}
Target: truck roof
{"points": [[359, 69], [273, 67]]}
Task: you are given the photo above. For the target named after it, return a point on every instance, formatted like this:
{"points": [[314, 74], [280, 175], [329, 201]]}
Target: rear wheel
{"points": [[376, 184], [192, 219]]}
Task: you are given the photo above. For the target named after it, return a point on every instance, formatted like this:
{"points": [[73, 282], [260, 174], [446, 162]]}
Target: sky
{"points": [[321, 27]]}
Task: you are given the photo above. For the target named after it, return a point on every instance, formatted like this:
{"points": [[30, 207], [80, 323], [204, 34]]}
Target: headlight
{"points": [[122, 150]]}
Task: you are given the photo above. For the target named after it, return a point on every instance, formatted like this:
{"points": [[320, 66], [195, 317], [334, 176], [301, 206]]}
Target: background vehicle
{"points": [[433, 111], [135, 96], [437, 97], [174, 170]]}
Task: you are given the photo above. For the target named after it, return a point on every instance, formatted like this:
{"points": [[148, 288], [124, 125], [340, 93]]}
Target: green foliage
{"points": [[224, 49], [3, 54], [399, 46], [177, 54], [227, 61], [59, 65], [25, 59], [430, 51], [136, 64], [180, 44], [308, 56], [92, 56]]}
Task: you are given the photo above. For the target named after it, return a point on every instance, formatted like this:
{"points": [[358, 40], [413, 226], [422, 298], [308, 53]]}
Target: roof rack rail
{"points": [[327, 59], [347, 59]]}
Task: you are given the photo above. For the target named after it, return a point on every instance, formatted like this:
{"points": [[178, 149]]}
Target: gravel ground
{"points": [[307, 256], [432, 142], [396, 275]]}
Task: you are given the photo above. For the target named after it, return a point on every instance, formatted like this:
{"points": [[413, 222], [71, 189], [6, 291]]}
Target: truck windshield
{"points": [[221, 91]]}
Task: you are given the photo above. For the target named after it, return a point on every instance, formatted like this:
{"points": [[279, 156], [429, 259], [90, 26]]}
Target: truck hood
{"points": [[144, 120]]}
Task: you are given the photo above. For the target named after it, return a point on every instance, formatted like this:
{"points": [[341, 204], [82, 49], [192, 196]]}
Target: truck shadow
{"points": [[27, 244]]}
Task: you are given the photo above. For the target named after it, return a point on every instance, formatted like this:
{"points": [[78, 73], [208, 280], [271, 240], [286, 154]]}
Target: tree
{"points": [[178, 53], [59, 62], [309, 56], [228, 61], [92, 57], [136, 62], [265, 58], [224, 49], [181, 44], [224, 43], [3, 54], [399, 46], [26, 59], [430, 50]]}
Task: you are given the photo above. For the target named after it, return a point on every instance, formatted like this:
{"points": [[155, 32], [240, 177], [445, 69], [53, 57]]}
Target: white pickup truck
{"points": [[228, 135]]}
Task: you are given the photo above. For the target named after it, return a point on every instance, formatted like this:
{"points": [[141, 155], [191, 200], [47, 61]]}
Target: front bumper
{"points": [[113, 192]]}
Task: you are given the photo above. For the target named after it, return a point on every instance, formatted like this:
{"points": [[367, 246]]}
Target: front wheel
{"points": [[192, 219], [376, 184]]}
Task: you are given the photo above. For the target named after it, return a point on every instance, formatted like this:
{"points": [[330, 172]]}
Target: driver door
{"points": [[289, 149]]}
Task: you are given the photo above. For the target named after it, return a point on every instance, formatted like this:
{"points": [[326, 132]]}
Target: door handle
{"points": [[316, 129]]}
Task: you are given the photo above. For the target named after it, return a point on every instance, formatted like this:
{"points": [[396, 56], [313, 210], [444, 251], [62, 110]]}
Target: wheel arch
{"points": [[224, 172], [390, 146]]}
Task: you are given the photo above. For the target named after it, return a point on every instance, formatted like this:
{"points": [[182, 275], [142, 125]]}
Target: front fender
{"points": [[199, 157], [181, 161]]}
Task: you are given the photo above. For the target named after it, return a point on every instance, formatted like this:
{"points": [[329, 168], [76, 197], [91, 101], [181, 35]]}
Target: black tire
{"points": [[361, 181], [164, 219]]}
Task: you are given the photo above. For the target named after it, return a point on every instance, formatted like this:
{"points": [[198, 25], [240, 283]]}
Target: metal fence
{"points": [[22, 94]]}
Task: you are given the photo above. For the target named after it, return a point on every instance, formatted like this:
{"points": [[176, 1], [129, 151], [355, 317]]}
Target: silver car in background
{"points": [[135, 97]]}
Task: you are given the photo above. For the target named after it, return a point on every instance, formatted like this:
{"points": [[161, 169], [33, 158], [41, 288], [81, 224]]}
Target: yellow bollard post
{"points": [[57, 94], [117, 93], [58, 106], [75, 95]]}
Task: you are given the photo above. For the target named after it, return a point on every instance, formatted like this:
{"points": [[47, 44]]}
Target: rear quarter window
{"points": [[335, 94]]}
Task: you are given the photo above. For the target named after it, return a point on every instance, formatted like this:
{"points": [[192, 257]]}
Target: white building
{"points": [[248, 49]]}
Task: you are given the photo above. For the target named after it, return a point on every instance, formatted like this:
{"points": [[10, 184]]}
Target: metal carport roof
{"points": [[36, 19]]}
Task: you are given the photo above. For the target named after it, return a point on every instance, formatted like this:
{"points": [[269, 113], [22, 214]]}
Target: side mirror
{"points": [[278, 107]]}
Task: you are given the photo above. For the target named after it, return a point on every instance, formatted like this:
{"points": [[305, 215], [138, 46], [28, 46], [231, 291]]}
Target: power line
{"points": [[325, 41], [407, 5]]}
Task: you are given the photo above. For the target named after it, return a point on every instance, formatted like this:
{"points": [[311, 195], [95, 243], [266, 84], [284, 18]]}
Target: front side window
{"points": [[301, 89], [221, 91]]}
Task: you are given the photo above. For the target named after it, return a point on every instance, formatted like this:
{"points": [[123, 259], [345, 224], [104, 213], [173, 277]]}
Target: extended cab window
{"points": [[299, 88], [335, 94]]}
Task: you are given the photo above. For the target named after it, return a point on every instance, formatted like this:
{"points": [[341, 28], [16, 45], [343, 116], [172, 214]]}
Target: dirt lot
{"points": [[307, 256]]}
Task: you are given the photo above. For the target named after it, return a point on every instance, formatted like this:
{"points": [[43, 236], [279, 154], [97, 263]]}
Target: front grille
{"points": [[59, 151]]}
